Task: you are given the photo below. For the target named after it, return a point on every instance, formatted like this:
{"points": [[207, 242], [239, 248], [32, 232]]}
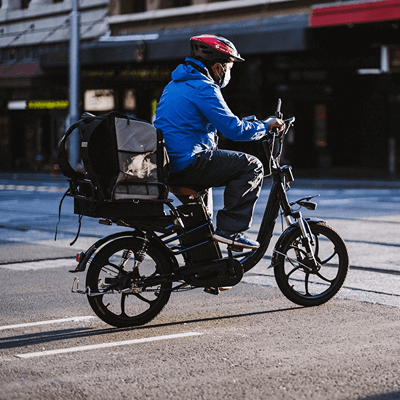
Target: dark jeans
{"points": [[240, 173]]}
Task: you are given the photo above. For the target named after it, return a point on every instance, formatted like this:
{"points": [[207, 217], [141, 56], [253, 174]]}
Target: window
{"points": [[99, 100], [129, 100], [12, 54], [130, 6], [183, 3], [25, 3]]}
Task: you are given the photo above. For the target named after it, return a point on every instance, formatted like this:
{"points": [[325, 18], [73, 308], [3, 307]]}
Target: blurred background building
{"points": [[336, 67]]}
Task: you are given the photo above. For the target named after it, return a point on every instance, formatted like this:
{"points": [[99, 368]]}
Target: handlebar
{"points": [[288, 124], [273, 143]]}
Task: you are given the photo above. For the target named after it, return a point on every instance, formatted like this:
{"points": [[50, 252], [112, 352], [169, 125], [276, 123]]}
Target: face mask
{"points": [[227, 78]]}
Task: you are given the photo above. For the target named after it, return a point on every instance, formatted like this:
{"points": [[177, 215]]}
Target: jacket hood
{"points": [[185, 72]]}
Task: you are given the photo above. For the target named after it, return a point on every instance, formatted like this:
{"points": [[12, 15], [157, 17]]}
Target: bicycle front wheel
{"points": [[110, 277], [296, 281]]}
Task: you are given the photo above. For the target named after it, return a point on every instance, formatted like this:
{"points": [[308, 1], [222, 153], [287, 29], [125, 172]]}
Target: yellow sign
{"points": [[47, 104]]}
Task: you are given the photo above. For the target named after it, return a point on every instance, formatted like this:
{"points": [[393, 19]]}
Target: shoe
{"points": [[216, 291], [235, 239]]}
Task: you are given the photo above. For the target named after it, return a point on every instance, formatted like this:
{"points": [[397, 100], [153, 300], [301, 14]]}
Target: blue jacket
{"points": [[190, 112]]}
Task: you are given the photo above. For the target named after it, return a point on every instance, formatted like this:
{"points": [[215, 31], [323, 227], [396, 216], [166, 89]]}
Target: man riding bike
{"points": [[190, 112]]}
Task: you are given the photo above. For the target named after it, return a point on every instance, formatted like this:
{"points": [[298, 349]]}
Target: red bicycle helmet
{"points": [[210, 47]]}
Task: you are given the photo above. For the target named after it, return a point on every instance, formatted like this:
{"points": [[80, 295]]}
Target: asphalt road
{"points": [[247, 343]]}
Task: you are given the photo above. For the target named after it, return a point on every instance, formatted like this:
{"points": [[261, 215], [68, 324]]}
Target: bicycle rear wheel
{"points": [[298, 283], [111, 272]]}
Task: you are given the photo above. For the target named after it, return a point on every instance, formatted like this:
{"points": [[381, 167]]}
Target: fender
{"points": [[288, 231], [86, 256]]}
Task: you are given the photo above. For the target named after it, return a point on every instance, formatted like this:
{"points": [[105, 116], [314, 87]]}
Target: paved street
{"points": [[248, 343]]}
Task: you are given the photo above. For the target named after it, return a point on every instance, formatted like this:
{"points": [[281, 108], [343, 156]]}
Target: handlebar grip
{"points": [[278, 113]]}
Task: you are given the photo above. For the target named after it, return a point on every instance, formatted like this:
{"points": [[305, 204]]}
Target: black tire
{"points": [[119, 309], [300, 285]]}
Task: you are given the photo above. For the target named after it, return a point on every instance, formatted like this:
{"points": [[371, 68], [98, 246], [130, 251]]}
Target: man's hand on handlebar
{"points": [[275, 124]]}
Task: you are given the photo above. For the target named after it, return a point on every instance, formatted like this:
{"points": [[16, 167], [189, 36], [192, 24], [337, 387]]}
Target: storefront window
{"points": [[129, 100], [99, 100]]}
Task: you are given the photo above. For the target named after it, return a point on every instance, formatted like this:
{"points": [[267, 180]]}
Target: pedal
{"points": [[212, 290], [237, 249]]}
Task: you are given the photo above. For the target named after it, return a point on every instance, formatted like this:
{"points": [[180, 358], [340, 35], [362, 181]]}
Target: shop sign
{"points": [[37, 105], [47, 104], [98, 73], [145, 74], [154, 74], [16, 105]]}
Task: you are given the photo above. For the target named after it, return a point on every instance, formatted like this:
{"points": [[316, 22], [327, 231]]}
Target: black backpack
{"points": [[126, 168]]}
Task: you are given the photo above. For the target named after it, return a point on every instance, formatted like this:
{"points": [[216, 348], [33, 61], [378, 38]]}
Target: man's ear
{"points": [[217, 69]]}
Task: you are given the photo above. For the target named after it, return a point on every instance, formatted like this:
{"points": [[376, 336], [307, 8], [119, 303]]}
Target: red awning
{"points": [[354, 13]]}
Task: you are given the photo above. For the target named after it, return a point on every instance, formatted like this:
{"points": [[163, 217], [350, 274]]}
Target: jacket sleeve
{"points": [[214, 108]]}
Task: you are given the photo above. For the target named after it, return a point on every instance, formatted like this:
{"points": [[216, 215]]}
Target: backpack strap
{"points": [[163, 168], [63, 162]]}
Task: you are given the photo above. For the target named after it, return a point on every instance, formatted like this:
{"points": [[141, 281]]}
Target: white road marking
{"points": [[31, 188], [43, 264], [105, 345], [52, 321]]}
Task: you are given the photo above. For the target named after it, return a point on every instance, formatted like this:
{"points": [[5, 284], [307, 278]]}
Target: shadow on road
{"points": [[386, 396], [30, 339]]}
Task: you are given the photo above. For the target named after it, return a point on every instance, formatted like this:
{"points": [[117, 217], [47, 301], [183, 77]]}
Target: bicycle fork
{"points": [[306, 240]]}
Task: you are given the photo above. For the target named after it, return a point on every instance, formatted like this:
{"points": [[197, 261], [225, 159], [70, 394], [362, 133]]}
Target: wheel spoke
{"points": [[328, 258], [140, 297], [117, 267], [325, 279], [123, 299], [306, 281], [296, 268], [296, 263]]}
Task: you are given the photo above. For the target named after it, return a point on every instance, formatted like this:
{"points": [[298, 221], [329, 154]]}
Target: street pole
{"points": [[386, 85], [74, 82]]}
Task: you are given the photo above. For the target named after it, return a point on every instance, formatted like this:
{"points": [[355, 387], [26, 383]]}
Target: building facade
{"points": [[334, 65], [34, 105]]}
